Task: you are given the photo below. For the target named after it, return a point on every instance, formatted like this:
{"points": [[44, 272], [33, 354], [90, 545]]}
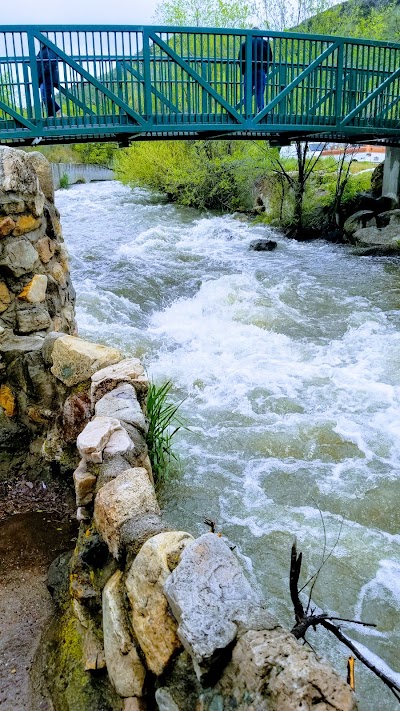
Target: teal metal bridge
{"points": [[124, 83]]}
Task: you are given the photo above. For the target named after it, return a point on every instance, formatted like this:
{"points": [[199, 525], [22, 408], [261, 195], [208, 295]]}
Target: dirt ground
{"points": [[29, 542], [19, 495]]}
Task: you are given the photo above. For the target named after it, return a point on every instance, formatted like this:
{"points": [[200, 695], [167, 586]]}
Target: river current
{"points": [[289, 363]]}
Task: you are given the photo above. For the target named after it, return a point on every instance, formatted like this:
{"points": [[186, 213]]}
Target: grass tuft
{"points": [[164, 423]]}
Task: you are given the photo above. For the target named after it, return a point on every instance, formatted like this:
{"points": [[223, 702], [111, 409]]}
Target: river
{"points": [[289, 365]]}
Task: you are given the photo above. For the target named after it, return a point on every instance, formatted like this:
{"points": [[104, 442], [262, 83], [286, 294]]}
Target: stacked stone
{"points": [[168, 617], [36, 297], [36, 294]]}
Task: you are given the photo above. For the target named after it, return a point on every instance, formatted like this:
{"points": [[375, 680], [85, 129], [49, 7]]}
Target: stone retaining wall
{"points": [[36, 297], [172, 620], [79, 173]]}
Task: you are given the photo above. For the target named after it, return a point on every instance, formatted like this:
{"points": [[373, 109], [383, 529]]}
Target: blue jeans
{"points": [[47, 93], [258, 82]]}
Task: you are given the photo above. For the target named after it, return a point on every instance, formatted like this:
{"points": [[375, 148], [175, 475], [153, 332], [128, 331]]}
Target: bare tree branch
{"points": [[305, 621]]}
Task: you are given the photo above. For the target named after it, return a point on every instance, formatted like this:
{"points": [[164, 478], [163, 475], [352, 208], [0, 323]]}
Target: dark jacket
{"points": [[261, 54], [47, 67]]}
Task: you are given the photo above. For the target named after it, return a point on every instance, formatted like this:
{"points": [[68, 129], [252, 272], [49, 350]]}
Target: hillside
{"points": [[372, 19]]}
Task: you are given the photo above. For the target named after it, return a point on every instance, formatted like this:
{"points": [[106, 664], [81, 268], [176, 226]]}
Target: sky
{"points": [[78, 12]]}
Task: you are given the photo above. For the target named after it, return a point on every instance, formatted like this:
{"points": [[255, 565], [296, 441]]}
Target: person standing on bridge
{"points": [[48, 77], [261, 58]]}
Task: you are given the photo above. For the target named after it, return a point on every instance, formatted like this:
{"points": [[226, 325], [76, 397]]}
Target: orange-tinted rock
{"points": [[35, 290], [5, 297], [7, 400], [46, 248], [25, 223]]}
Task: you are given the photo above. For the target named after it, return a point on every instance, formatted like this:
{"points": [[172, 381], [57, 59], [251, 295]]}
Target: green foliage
{"points": [[357, 19], [93, 153], [64, 182], [164, 423], [217, 175], [205, 13]]}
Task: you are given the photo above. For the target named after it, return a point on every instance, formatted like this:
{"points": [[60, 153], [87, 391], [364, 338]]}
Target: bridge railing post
{"points": [[147, 74], [339, 82], [35, 83], [248, 94]]}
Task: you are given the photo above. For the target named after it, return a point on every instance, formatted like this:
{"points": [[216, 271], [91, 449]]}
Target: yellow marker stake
{"points": [[350, 673]]}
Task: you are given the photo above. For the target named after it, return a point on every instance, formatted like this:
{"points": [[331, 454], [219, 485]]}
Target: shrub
{"points": [[64, 182]]}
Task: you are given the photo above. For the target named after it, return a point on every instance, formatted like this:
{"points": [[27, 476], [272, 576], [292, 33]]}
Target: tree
{"points": [[206, 13], [282, 15], [343, 167], [297, 181]]}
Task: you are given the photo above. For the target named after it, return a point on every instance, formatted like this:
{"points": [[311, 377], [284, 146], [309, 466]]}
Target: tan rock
{"points": [[130, 494], [94, 438], [126, 671], [128, 370], [58, 272], [271, 671], [25, 223], [85, 484], [43, 170], [7, 400], [152, 622], [75, 360], [35, 291], [46, 249], [5, 297], [6, 226], [93, 652]]}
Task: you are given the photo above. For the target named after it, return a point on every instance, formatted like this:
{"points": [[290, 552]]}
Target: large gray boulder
{"points": [[211, 598], [360, 219], [391, 217], [373, 236]]}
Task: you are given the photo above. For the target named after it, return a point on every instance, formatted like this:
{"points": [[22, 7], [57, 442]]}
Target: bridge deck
{"points": [[149, 83]]}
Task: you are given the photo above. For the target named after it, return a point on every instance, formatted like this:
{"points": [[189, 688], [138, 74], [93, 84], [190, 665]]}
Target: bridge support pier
{"points": [[391, 172]]}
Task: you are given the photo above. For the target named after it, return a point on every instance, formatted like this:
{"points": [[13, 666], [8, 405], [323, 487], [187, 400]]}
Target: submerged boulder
{"points": [[263, 245]]}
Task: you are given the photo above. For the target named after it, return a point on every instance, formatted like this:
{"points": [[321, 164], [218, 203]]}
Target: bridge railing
{"points": [[151, 80]]}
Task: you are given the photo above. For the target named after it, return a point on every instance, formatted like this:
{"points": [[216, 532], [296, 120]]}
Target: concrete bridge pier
{"points": [[391, 172]]}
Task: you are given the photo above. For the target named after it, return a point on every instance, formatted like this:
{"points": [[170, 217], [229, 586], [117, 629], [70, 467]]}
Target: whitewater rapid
{"points": [[288, 364]]}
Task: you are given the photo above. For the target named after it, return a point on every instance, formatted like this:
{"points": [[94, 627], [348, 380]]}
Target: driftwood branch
{"points": [[304, 621]]}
